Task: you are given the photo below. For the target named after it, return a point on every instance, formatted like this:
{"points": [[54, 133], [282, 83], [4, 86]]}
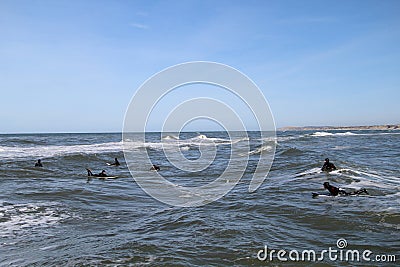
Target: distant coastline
{"points": [[341, 128]]}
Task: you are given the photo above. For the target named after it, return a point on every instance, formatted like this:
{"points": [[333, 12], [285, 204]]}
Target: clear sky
{"points": [[73, 66]]}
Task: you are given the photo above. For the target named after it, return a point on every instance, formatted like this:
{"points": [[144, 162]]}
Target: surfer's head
{"points": [[326, 185], [326, 160]]}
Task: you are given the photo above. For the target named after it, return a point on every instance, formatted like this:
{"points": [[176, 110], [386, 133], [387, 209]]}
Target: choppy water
{"points": [[52, 216]]}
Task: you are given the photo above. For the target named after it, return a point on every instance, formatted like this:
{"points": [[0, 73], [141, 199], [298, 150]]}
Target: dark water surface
{"points": [[52, 216]]}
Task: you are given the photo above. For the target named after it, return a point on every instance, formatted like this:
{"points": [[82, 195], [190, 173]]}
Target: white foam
{"points": [[309, 172], [200, 140], [322, 134], [275, 139], [184, 148], [356, 172], [201, 136], [319, 134], [41, 151], [363, 183], [345, 134], [168, 142], [170, 137], [367, 179], [24, 217], [361, 179], [244, 139], [53, 150], [283, 138], [382, 178], [260, 150]]}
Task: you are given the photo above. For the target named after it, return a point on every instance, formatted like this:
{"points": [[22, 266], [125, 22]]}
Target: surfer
{"points": [[334, 191], [101, 174], [328, 166], [155, 168], [116, 162], [39, 163]]}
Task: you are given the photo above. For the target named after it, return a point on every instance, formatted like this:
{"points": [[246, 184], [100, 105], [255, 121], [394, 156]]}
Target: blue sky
{"points": [[73, 66]]}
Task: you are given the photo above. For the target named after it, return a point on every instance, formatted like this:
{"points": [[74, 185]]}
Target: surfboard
{"points": [[108, 177], [103, 177], [315, 195], [111, 164]]}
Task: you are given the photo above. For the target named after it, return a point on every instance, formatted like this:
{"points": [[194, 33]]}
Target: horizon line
{"points": [[277, 129]]}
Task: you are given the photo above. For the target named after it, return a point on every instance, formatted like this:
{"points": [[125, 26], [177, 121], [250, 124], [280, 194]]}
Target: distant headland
{"points": [[341, 128]]}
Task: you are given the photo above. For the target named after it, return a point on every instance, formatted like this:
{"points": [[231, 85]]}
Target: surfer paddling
{"points": [[335, 191], [101, 174]]}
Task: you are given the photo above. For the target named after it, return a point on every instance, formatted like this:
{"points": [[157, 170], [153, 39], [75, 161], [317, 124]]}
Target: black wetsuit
{"points": [[328, 166], [334, 191], [155, 168], [38, 164], [102, 174]]}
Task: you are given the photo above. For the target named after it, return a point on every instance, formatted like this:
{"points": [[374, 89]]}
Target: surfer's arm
{"points": [[324, 167]]}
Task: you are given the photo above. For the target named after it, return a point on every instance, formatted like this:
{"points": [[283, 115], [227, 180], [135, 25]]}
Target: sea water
{"points": [[54, 216]]}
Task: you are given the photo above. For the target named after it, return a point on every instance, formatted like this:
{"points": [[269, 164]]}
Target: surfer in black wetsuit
{"points": [[155, 168], [39, 163], [328, 166], [116, 162], [102, 174], [334, 191]]}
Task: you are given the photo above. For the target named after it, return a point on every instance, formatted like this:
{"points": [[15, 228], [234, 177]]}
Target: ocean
{"points": [[55, 216]]}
